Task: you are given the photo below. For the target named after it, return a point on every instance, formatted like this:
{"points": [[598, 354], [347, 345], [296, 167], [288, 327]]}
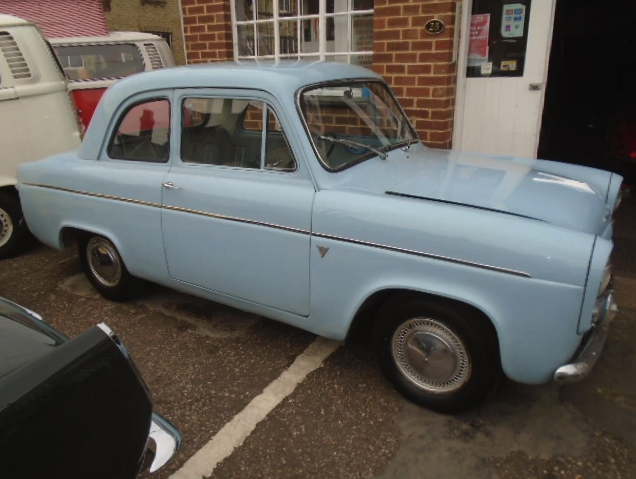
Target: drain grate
{"points": [[624, 256]]}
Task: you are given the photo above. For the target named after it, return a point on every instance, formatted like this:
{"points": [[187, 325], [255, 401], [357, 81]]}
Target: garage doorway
{"points": [[589, 115]]}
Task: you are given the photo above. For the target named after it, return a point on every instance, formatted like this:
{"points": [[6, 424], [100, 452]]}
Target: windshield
{"points": [[84, 62], [351, 122]]}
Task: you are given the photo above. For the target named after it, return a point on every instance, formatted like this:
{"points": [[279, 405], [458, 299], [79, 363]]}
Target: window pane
{"points": [[245, 40], [288, 30], [278, 154], [362, 60], [210, 135], [264, 9], [144, 133], [287, 8], [244, 10], [265, 38], [100, 61], [363, 4], [362, 33]]}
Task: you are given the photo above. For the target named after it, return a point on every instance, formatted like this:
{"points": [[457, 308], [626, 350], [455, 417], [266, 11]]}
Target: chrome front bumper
{"points": [[590, 350], [166, 439]]}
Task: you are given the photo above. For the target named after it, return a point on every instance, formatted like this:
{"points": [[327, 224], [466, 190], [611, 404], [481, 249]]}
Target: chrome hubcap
{"points": [[104, 261], [431, 356], [6, 227]]}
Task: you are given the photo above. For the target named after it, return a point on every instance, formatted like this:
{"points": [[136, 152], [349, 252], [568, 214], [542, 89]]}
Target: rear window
{"points": [[85, 62]]}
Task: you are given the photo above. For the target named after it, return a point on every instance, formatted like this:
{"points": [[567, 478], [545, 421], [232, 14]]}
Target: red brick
{"points": [[208, 54], [198, 46], [418, 92], [441, 114], [216, 27], [386, 35], [190, 20], [396, 69], [379, 23], [442, 7], [387, 11], [398, 22], [422, 45], [410, 10], [398, 46], [444, 45], [208, 37], [418, 69], [404, 80], [216, 8], [426, 80], [440, 136], [191, 38], [443, 68], [195, 10], [194, 55], [408, 33], [405, 57], [196, 28]]}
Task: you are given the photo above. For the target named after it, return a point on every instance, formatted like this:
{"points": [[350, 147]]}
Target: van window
{"points": [[83, 62]]}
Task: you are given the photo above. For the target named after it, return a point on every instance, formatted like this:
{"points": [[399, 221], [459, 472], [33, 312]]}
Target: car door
{"points": [[236, 214], [123, 189]]}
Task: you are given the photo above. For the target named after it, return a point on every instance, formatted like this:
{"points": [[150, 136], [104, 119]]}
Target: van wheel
{"points": [[13, 229], [439, 356], [106, 270]]}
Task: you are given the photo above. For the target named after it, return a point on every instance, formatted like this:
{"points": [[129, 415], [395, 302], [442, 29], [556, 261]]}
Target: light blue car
{"points": [[301, 192]]}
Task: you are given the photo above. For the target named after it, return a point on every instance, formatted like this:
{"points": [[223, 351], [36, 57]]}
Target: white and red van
{"points": [[92, 64]]}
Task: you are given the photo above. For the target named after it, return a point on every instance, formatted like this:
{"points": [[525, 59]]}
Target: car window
{"points": [[83, 62], [143, 133], [229, 132]]}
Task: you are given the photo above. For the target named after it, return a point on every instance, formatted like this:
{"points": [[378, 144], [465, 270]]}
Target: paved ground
{"points": [[205, 362]]}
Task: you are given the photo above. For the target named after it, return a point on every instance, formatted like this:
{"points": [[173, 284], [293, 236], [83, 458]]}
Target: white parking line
{"points": [[234, 433]]}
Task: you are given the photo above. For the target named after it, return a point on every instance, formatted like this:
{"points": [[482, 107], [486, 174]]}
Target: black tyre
{"points": [[439, 355], [13, 230], [106, 270]]}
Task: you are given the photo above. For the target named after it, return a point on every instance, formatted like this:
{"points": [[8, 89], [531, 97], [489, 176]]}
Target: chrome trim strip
{"points": [[426, 255], [237, 220], [297, 230], [97, 195]]}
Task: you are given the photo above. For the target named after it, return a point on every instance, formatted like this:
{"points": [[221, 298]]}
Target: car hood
{"points": [[565, 195]]}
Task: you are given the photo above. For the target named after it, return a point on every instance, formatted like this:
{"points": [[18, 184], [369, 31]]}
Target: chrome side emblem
{"points": [[322, 250]]}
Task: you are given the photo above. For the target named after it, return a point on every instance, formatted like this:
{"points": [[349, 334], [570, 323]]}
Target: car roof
{"points": [[10, 20], [281, 79], [113, 37]]}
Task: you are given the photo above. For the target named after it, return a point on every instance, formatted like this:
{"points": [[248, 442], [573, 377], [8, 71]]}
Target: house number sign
{"points": [[435, 26]]}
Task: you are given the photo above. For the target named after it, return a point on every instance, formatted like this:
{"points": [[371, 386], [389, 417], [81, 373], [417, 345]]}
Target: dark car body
{"points": [[73, 408]]}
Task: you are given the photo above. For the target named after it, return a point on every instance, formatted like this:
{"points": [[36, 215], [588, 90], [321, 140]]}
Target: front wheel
{"points": [[106, 270], [438, 355], [13, 229]]}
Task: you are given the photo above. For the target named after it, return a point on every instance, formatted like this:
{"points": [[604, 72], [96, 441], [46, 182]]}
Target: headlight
{"points": [[619, 198], [607, 276]]}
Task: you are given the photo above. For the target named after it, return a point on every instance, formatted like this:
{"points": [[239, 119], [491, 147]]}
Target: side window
{"points": [[278, 154], [143, 133], [230, 132]]}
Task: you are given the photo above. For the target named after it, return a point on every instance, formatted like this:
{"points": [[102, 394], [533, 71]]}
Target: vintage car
{"points": [[301, 192], [74, 408]]}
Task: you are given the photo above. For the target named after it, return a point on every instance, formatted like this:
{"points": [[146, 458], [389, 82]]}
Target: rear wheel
{"points": [[440, 356], [13, 229], [106, 270]]}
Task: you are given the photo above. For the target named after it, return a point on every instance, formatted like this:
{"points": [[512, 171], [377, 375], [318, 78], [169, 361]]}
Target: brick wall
{"points": [[417, 65], [131, 15], [208, 30]]}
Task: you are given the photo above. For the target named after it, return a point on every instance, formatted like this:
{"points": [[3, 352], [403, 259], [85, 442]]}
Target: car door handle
{"points": [[170, 185]]}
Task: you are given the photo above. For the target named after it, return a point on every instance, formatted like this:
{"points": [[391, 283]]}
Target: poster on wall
{"points": [[513, 19], [479, 33]]}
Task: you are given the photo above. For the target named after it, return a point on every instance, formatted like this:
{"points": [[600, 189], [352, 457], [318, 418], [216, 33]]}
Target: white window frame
{"points": [[348, 14]]}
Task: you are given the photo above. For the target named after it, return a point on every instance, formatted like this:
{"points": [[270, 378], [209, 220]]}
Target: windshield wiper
{"points": [[380, 153], [408, 144]]}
